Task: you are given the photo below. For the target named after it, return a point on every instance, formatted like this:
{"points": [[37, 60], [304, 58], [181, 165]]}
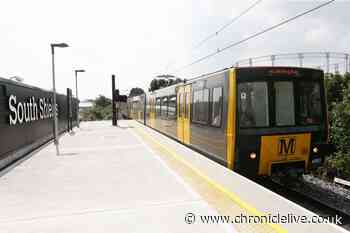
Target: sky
{"points": [[137, 40]]}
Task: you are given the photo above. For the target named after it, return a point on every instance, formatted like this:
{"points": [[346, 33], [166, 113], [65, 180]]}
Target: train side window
{"points": [[147, 106], [158, 107], [253, 104], [172, 106], [164, 106], [154, 105], [205, 106], [196, 102], [200, 106], [216, 104], [151, 106]]}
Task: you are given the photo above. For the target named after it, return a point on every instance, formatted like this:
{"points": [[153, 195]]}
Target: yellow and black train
{"points": [[257, 121]]}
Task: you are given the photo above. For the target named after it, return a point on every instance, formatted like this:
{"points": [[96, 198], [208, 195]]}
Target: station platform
{"points": [[132, 179]]}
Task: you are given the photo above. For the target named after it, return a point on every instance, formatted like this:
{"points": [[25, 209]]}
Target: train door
{"points": [[187, 114], [180, 116], [183, 114], [152, 111]]}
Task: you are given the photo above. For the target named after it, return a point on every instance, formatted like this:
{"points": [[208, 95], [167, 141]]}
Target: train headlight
{"points": [[315, 149], [252, 155]]}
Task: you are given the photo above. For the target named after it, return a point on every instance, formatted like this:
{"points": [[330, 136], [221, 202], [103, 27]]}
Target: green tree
{"points": [[338, 95], [101, 110], [336, 85], [159, 83], [102, 101], [136, 91]]}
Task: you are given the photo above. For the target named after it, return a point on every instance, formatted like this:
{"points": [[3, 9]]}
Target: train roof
{"points": [[206, 75], [249, 67]]}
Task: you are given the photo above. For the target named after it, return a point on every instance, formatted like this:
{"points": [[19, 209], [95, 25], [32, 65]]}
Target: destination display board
{"points": [[26, 118]]}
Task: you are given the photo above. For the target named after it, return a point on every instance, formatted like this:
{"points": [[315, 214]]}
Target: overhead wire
{"points": [[223, 27], [199, 44], [255, 35]]}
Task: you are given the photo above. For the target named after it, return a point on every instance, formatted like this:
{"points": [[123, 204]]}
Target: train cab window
{"points": [[164, 106], [216, 103], [200, 111], [309, 99], [284, 103], [253, 104], [158, 107], [172, 106]]}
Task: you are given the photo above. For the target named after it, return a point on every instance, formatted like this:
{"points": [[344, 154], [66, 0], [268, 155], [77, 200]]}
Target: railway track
{"points": [[313, 198], [343, 183]]}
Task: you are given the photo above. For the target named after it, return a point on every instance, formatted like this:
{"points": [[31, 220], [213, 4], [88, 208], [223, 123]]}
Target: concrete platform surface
{"points": [[232, 194], [105, 180]]}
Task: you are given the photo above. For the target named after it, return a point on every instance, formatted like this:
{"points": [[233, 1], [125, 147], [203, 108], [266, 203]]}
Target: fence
{"points": [[322, 60]]}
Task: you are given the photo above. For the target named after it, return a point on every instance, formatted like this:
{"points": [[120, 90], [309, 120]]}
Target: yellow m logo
{"points": [[286, 146]]}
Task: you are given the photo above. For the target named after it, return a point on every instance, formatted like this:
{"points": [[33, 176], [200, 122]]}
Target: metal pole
{"points": [[250, 62], [301, 56], [327, 58], [117, 107], [114, 119], [55, 129], [116, 104], [273, 60], [336, 68], [76, 94], [347, 63]]}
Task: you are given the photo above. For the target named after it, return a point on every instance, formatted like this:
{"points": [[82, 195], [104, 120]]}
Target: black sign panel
{"points": [[26, 118]]}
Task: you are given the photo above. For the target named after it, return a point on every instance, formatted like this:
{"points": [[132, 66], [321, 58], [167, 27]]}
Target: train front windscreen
{"points": [[278, 103]]}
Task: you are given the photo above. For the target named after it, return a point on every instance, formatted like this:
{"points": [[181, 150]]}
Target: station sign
{"points": [[30, 110], [26, 118]]}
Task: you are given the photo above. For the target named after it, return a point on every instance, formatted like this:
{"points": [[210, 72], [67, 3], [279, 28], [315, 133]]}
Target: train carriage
{"points": [[257, 121]]}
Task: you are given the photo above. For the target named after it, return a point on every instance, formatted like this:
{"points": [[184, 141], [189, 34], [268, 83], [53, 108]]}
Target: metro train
{"points": [[257, 121]]}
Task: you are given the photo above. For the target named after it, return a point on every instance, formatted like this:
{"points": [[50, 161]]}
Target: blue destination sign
{"points": [[30, 110]]}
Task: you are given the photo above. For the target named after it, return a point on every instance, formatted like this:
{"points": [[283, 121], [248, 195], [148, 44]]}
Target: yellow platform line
{"points": [[235, 198]]}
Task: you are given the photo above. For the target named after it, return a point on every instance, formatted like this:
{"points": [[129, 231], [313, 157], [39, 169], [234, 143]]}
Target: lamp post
{"points": [[76, 92], [55, 126]]}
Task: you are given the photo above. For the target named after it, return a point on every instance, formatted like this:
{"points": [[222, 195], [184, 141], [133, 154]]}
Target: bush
{"points": [[338, 94], [101, 110]]}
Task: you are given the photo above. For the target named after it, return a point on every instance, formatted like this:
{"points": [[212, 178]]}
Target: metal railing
{"points": [[321, 60]]}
